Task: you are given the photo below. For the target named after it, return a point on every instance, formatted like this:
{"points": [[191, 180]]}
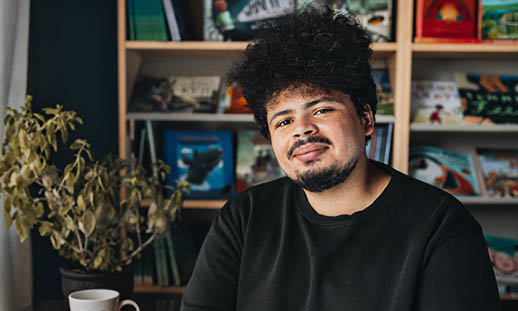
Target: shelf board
{"points": [[489, 128], [465, 50], [211, 117], [205, 204], [481, 200], [153, 289], [214, 47]]}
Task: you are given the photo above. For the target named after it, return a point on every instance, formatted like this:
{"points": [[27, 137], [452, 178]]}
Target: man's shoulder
{"points": [[264, 195], [429, 202]]}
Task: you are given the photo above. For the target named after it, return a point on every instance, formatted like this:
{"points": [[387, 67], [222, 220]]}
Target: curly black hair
{"points": [[323, 49]]}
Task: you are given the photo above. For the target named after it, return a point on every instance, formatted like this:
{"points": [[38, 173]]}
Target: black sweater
{"points": [[415, 248]]}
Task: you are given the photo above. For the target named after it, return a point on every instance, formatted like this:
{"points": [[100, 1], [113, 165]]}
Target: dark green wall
{"points": [[73, 62]]}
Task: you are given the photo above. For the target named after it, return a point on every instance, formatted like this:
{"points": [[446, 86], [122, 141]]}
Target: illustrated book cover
{"points": [[500, 171], [203, 158], [436, 102], [498, 20], [236, 20], [255, 161], [198, 94], [381, 77], [374, 15], [446, 21], [488, 98], [503, 253], [451, 171]]}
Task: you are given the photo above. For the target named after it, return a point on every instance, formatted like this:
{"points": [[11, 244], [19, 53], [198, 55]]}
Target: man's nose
{"points": [[305, 127]]}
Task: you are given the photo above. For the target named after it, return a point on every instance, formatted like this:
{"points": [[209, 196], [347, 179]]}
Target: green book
{"points": [[172, 258], [131, 22], [160, 19], [158, 262]]}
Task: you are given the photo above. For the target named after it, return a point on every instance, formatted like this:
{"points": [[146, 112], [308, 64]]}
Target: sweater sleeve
{"points": [[214, 282], [458, 274]]}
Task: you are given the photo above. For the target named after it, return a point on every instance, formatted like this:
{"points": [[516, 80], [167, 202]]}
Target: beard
{"points": [[319, 180]]}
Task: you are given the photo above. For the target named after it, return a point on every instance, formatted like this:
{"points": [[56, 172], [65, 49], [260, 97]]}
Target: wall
{"points": [[73, 62]]}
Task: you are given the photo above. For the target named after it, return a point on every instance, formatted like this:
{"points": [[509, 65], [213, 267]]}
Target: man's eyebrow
{"points": [[316, 101], [280, 113]]}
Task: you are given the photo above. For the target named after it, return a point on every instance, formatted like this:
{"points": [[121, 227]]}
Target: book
{"points": [[374, 15], [488, 98], [172, 23], [197, 94], [237, 20], [131, 19], [451, 171], [203, 158], [436, 102], [161, 262], [172, 258], [446, 21], [381, 78], [388, 144], [255, 160], [498, 20], [500, 171], [503, 253]]}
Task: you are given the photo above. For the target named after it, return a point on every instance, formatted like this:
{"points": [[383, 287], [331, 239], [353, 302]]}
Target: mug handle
{"points": [[129, 302]]}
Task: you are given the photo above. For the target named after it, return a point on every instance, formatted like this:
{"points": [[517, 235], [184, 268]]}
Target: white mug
{"points": [[98, 300]]}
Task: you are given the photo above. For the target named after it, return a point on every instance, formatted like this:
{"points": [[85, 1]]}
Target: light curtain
{"points": [[15, 257]]}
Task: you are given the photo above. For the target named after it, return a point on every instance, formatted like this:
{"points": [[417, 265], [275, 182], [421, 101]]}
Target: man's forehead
{"points": [[303, 91]]}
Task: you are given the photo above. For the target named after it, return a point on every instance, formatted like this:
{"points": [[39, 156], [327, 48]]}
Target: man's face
{"points": [[318, 137]]}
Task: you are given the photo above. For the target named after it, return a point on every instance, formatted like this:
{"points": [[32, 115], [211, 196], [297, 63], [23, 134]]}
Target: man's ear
{"points": [[368, 121]]}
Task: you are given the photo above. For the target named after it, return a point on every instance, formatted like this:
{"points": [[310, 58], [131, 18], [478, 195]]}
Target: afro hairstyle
{"points": [[324, 50]]}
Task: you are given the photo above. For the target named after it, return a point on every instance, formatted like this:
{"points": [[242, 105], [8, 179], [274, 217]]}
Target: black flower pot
{"points": [[75, 279]]}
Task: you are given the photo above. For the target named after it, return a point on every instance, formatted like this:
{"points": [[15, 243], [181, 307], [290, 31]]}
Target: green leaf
{"points": [[87, 225], [8, 219], [81, 203], [21, 228], [39, 210], [45, 228]]}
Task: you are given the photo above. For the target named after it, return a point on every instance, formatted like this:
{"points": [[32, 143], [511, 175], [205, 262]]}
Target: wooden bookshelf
{"points": [[497, 128], [152, 289]]}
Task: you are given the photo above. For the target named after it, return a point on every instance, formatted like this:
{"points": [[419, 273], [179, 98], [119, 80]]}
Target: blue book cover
{"points": [[204, 159], [452, 171]]}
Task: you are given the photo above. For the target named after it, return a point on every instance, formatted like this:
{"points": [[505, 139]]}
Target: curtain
{"points": [[15, 257]]}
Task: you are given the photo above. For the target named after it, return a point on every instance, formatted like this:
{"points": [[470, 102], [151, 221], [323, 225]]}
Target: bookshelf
{"points": [[406, 61]]}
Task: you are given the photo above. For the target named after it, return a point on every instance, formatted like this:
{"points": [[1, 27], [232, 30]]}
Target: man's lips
{"points": [[309, 152]]}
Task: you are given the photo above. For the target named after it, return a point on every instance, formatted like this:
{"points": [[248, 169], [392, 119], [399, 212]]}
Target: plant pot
{"points": [[75, 279]]}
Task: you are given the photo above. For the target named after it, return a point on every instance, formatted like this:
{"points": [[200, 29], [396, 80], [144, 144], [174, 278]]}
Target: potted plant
{"points": [[92, 213]]}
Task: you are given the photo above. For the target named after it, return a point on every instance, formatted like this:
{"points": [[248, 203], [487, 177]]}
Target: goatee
{"points": [[323, 179]]}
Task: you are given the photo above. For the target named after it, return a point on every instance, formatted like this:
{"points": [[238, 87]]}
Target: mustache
{"points": [[310, 139]]}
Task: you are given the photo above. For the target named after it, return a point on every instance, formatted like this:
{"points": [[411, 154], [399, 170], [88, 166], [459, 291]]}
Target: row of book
{"points": [[486, 172], [210, 94], [237, 20], [466, 20], [170, 259], [218, 164], [472, 98], [158, 265]]}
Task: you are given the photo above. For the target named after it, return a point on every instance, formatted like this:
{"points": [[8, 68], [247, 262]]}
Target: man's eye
{"points": [[323, 110], [283, 123]]}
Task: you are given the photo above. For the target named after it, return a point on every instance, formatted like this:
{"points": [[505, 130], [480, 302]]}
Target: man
{"points": [[340, 232]]}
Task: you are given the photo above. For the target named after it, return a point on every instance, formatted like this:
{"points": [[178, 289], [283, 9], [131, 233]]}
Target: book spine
{"points": [[152, 146], [171, 20], [163, 258], [160, 19], [131, 19], [388, 147], [172, 258], [158, 262]]}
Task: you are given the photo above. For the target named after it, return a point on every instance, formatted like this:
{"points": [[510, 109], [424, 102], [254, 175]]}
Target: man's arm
{"points": [[213, 285], [458, 274]]}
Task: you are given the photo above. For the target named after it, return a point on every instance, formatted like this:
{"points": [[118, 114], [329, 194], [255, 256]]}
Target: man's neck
{"points": [[361, 189]]}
